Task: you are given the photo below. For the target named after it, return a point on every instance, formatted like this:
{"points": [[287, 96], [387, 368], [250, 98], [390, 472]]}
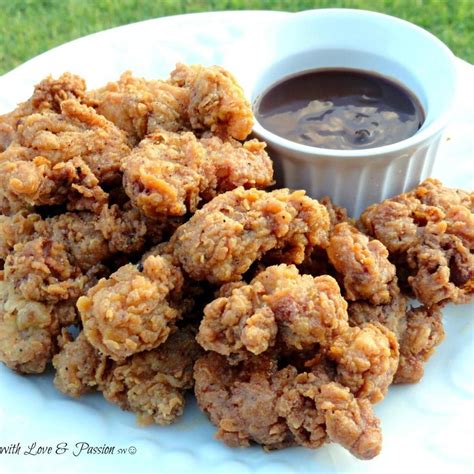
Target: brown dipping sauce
{"points": [[341, 109]]}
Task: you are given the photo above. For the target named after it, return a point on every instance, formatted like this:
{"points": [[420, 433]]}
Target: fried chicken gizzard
{"points": [[280, 307], [418, 331], [48, 264], [367, 276], [29, 329], [169, 174], [61, 158], [135, 309], [429, 231], [255, 401], [364, 264], [223, 239], [151, 384]]}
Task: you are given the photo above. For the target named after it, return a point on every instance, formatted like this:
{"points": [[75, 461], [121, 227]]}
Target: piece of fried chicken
{"points": [[14, 229], [317, 263], [279, 303], [135, 309], [59, 157], [59, 258], [195, 98], [29, 329], [47, 95], [256, 401], [216, 101], [25, 184], [430, 231], [367, 359], [139, 106], [171, 173], [224, 238], [363, 264], [281, 308], [151, 384], [418, 330]]}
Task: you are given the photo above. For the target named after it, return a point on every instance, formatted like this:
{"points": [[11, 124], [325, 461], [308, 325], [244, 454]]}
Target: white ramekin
{"points": [[361, 40]]}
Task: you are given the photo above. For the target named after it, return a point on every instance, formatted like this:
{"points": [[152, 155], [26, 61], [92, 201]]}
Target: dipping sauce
{"points": [[341, 109]]}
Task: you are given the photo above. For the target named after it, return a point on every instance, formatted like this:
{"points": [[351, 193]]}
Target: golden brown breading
{"points": [[170, 173], [77, 131], [317, 263], [49, 264], [195, 97], [256, 402], [60, 260], [96, 193], [337, 214], [47, 95], [419, 331], [63, 257], [25, 184], [151, 384], [364, 265], [78, 232], [28, 329], [139, 106], [60, 157], [216, 101], [15, 229], [279, 302], [442, 264], [125, 230], [350, 421], [300, 312], [367, 359], [79, 367], [430, 230], [44, 270], [423, 334], [392, 315], [134, 309], [224, 238], [128, 231]]}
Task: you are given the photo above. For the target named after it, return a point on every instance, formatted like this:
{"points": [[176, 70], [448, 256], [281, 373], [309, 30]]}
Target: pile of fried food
{"points": [[142, 255]]}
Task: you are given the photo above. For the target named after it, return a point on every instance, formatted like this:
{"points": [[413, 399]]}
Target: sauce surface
{"points": [[341, 109]]}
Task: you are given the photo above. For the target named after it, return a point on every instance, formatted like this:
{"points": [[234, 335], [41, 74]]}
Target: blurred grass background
{"points": [[29, 27]]}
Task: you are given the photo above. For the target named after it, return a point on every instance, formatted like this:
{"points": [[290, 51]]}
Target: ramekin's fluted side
{"points": [[357, 182]]}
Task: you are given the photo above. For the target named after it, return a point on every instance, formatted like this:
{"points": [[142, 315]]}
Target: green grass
{"points": [[29, 27]]}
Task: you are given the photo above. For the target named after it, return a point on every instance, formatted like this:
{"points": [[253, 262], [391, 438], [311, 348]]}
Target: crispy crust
{"points": [[418, 331], [134, 309], [257, 402], [150, 384], [29, 330], [224, 238], [171, 173], [299, 310], [216, 101], [430, 231], [363, 264]]}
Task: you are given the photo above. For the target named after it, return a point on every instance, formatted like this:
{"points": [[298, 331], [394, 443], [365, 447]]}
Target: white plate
{"points": [[427, 426]]}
